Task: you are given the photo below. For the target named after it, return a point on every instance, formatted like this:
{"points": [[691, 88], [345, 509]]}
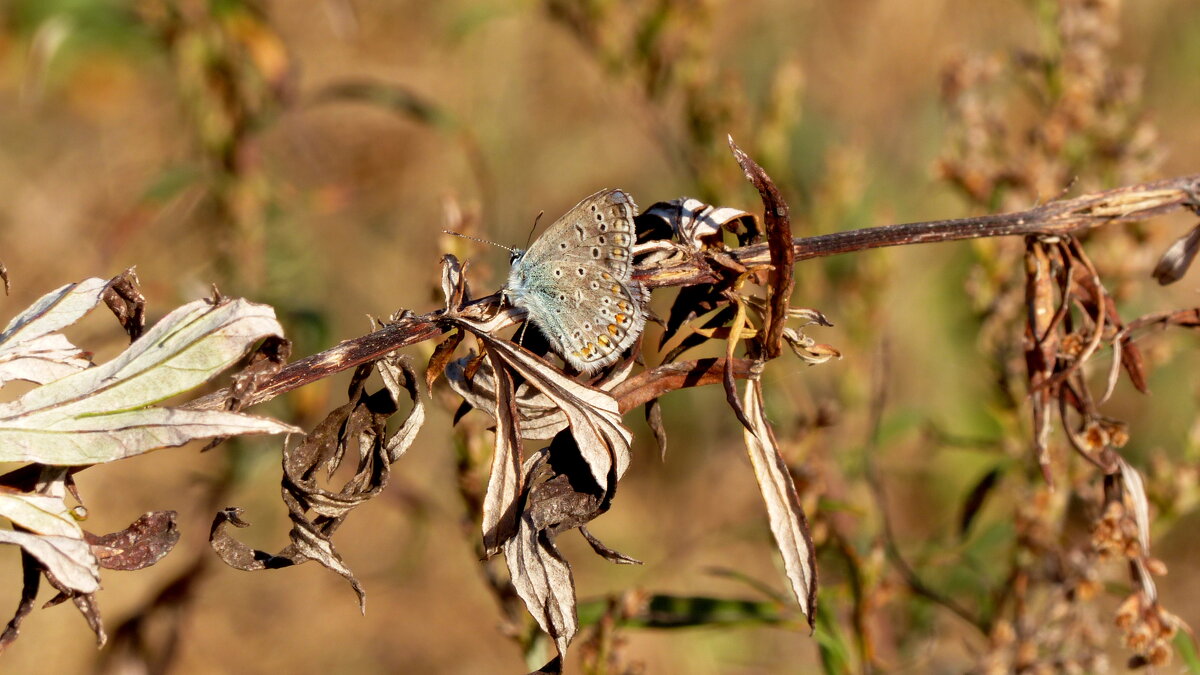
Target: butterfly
{"points": [[576, 282]]}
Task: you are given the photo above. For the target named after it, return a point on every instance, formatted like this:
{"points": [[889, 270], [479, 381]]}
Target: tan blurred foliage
{"points": [[308, 154]]}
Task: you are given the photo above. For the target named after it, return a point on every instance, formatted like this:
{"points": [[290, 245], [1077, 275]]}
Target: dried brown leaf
{"points": [[728, 379], [592, 414], [544, 582], [145, 542], [127, 303], [654, 419], [454, 282], [1176, 260], [359, 426], [441, 357], [783, 255], [786, 516], [500, 503]]}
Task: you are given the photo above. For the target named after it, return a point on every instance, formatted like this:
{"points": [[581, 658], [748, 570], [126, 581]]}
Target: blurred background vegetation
{"points": [[308, 155]]}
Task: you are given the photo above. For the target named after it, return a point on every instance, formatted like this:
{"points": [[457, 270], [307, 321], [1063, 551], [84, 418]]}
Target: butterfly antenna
{"points": [[536, 218], [482, 241]]}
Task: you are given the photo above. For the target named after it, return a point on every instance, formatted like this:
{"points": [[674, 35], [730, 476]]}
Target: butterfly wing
{"points": [[576, 283]]}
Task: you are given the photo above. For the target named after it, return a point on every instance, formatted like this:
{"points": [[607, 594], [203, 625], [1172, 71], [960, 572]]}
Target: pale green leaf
{"points": [[69, 559], [101, 414], [30, 346], [41, 514]]}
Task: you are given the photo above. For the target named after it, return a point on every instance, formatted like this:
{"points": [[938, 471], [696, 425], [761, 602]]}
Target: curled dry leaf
{"points": [[146, 541], [1135, 492], [357, 429], [454, 282], [1175, 262], [106, 413], [654, 420], [127, 303], [783, 255], [440, 359], [543, 580]]}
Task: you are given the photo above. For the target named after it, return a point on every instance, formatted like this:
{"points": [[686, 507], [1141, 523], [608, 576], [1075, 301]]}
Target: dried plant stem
{"points": [[1120, 205]]}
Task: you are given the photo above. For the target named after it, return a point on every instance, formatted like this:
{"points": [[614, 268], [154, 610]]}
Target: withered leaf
{"points": [[543, 580], [787, 520], [540, 418], [32, 349], [776, 217], [592, 414], [1176, 260], [606, 552], [106, 413], [500, 503], [358, 427], [146, 541], [127, 303], [454, 283], [654, 419], [441, 357], [68, 559]]}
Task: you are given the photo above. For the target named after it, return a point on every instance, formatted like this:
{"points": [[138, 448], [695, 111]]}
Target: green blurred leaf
{"points": [[678, 611], [831, 643], [1187, 651], [170, 182], [111, 25]]}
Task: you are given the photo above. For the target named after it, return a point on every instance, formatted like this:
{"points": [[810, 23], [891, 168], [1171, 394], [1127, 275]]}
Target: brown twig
{"points": [[1120, 205]]}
